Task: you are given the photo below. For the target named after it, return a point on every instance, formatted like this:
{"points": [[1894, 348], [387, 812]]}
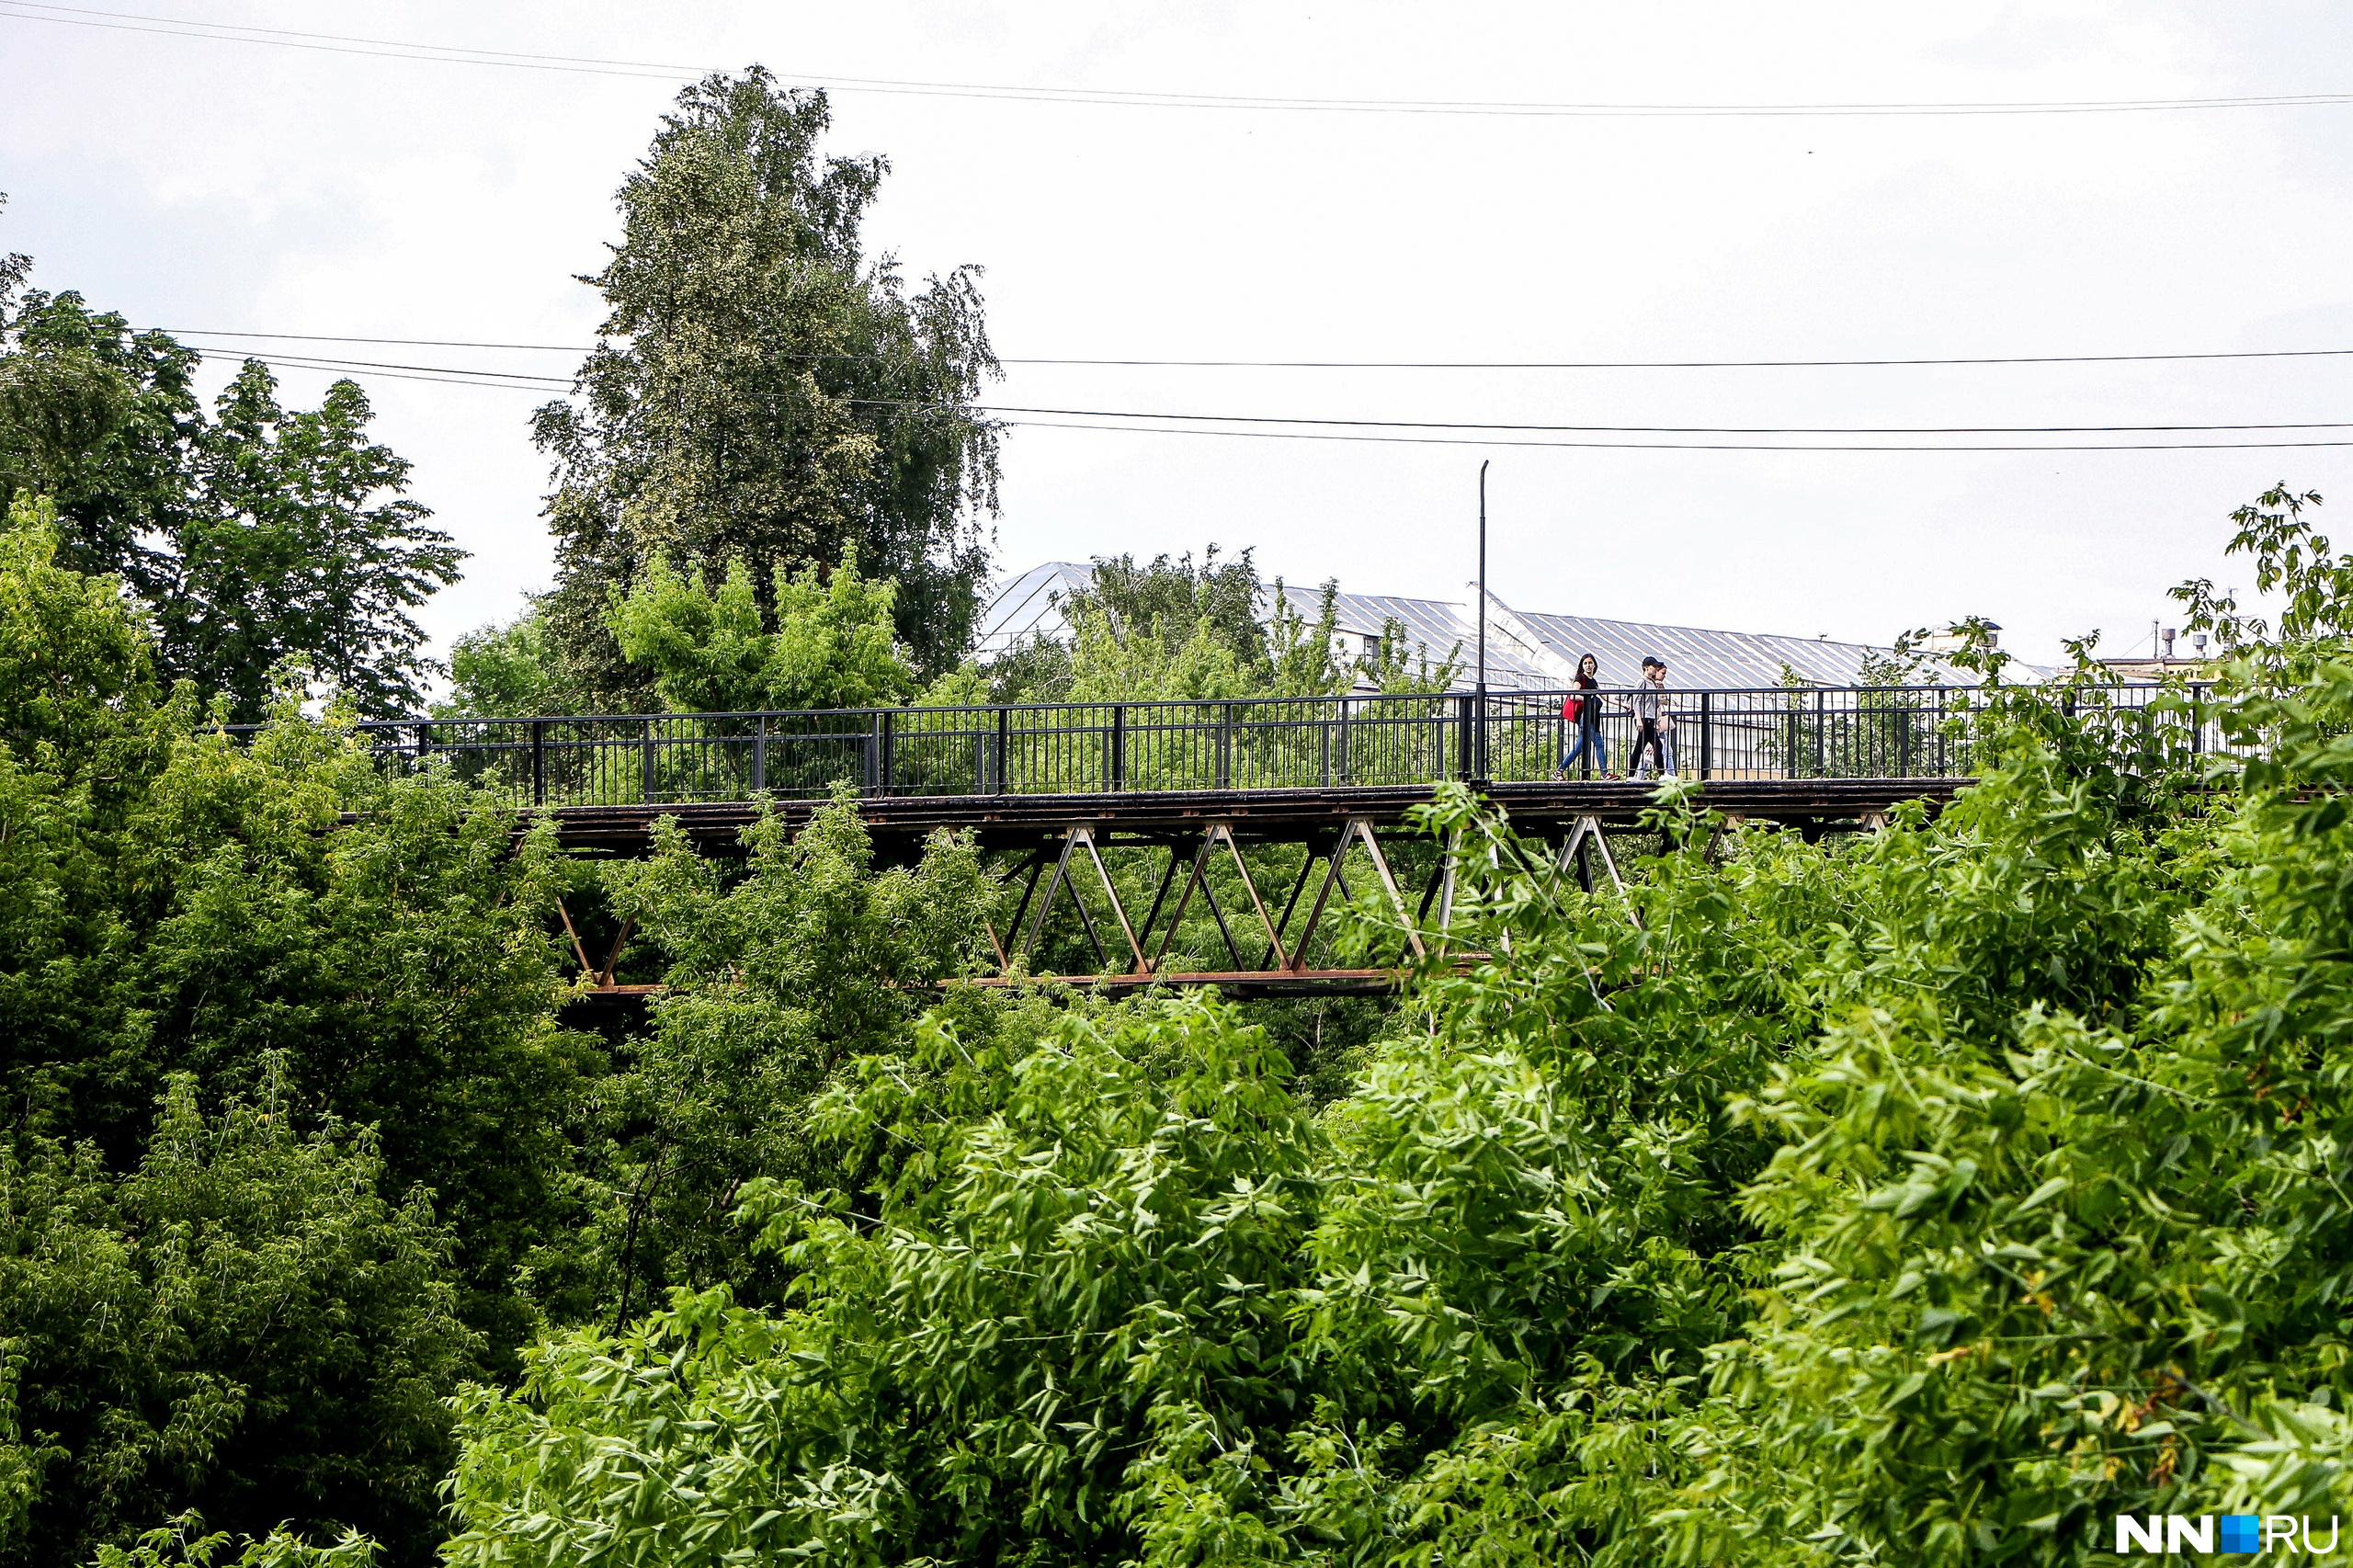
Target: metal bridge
{"points": [[1055, 788]]}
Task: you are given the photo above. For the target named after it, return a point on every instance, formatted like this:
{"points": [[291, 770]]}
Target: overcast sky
{"points": [[199, 183]]}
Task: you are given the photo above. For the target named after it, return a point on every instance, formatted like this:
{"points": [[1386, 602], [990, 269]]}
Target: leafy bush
{"points": [[243, 1323]]}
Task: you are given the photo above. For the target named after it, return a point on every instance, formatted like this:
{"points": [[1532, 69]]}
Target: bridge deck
{"points": [[900, 823]]}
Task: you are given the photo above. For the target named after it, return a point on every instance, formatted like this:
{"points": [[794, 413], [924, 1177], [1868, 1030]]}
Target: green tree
{"points": [[1173, 630], [76, 658], [104, 421], [829, 644], [185, 1543], [303, 549], [256, 537], [1074, 1264], [513, 670], [276, 924], [403, 965], [243, 1323], [172, 900], [1125, 646], [769, 391], [1170, 599]]}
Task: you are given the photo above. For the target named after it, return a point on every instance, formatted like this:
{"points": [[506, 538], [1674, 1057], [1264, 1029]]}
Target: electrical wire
{"points": [[401, 342], [1603, 430], [313, 362], [339, 44], [539, 383], [1385, 364], [1488, 433], [1684, 446], [430, 375]]}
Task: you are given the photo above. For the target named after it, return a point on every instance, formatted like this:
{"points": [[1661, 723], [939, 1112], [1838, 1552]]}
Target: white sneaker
{"points": [[1670, 773]]}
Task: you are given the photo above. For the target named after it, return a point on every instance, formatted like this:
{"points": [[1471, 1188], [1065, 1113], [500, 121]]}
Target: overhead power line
{"points": [[501, 378], [1475, 434], [1603, 430], [432, 374], [401, 342], [340, 43], [1684, 446], [541, 383], [1384, 364]]}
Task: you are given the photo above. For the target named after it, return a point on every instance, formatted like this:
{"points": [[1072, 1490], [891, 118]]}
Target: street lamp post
{"points": [[1479, 704]]}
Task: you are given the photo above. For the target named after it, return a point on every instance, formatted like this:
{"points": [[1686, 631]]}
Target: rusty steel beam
{"points": [[1237, 981], [899, 824]]}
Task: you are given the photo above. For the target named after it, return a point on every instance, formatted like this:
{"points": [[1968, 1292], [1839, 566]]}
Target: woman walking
{"points": [[1582, 708]]}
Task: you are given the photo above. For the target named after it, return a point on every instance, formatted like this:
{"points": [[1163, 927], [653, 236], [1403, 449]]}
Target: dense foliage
{"points": [[296, 1136], [713, 650], [248, 1309], [250, 1320]]}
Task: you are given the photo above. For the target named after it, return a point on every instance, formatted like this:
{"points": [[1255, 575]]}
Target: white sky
{"points": [[199, 183]]}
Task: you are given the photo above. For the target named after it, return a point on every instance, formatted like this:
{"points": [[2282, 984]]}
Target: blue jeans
{"points": [[1588, 744]]}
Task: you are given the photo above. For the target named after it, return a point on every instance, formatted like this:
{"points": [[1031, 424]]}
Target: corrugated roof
{"points": [[1030, 603], [1696, 658]]}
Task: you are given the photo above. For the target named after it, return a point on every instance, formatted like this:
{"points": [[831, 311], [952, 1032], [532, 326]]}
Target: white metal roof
{"points": [[1696, 658], [1030, 603]]}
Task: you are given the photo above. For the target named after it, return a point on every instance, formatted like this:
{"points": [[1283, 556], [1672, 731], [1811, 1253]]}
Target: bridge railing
{"points": [[1239, 743]]}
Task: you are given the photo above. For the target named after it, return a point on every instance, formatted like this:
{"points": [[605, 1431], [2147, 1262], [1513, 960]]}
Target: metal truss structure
{"points": [[1054, 850], [1281, 967]]}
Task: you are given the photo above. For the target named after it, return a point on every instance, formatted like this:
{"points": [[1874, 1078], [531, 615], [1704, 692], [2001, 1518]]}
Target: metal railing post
{"points": [[645, 755], [1707, 737], [1003, 727], [1821, 733], [1118, 746], [873, 748], [1462, 738], [760, 755], [539, 762], [1225, 745], [887, 763]]}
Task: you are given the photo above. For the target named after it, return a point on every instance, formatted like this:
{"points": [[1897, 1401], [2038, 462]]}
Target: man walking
{"points": [[1657, 731]]}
